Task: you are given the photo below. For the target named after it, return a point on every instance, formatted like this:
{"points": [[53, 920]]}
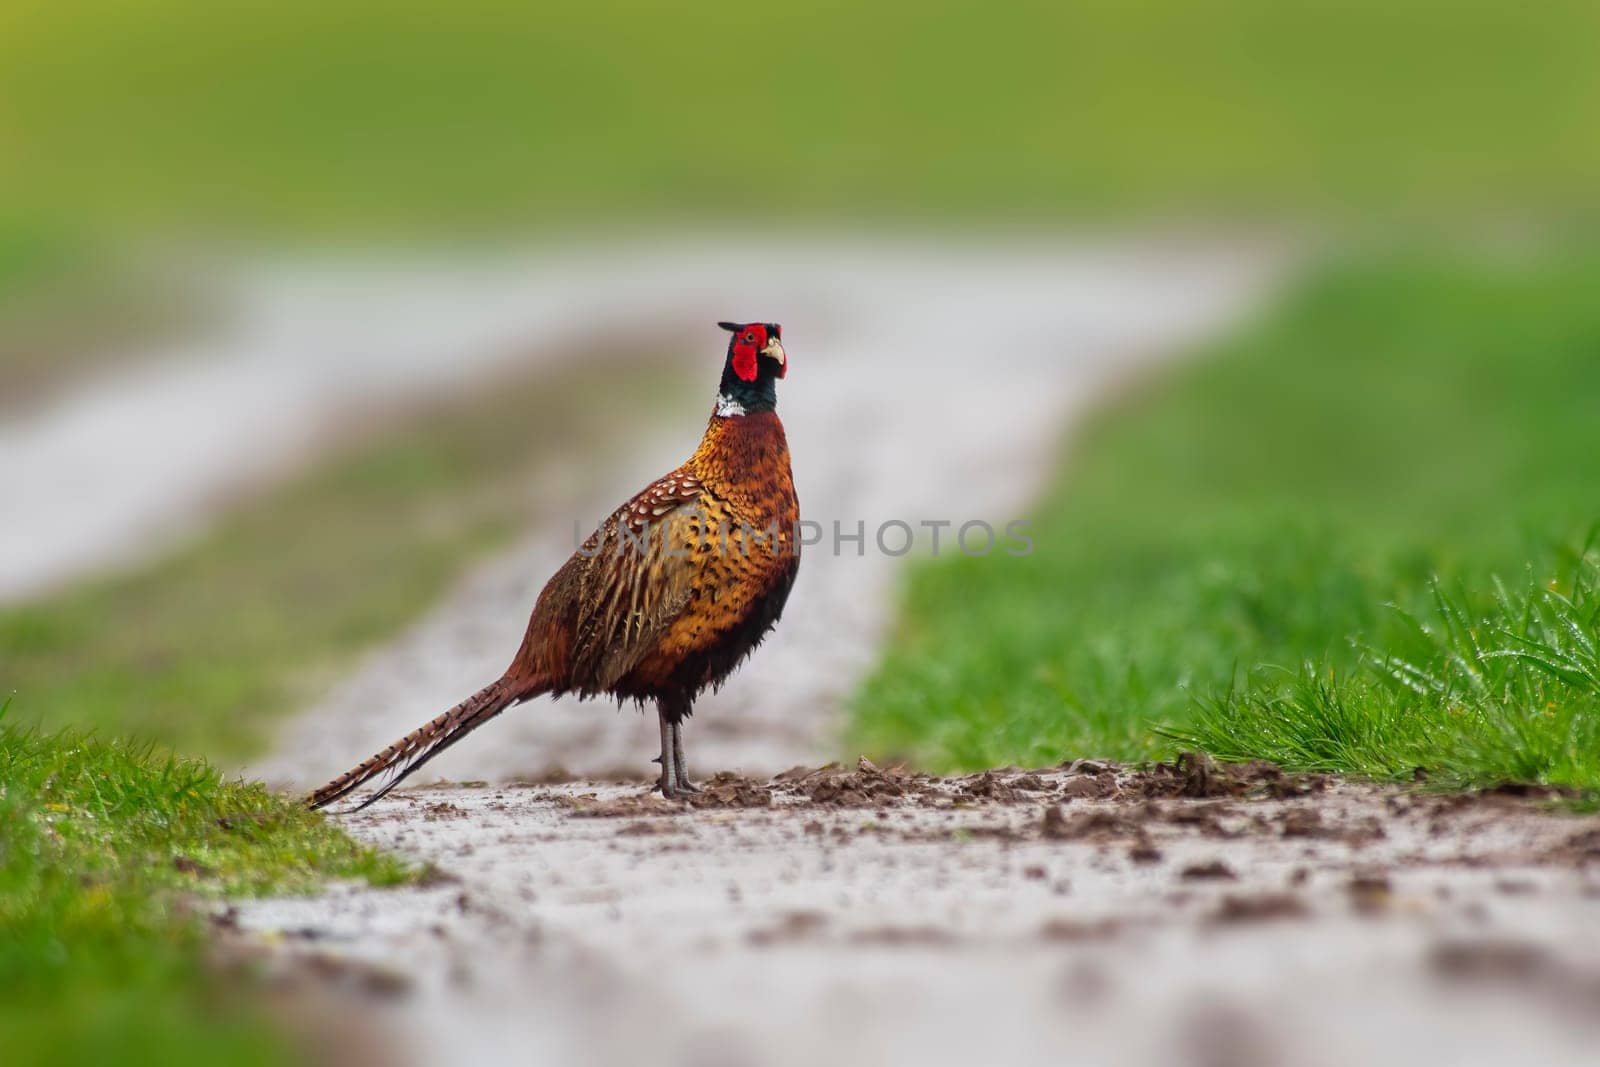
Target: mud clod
{"points": [[1304, 822], [1370, 893], [1089, 825], [1201, 777], [989, 785], [795, 926], [1498, 960], [1076, 930], [1260, 907], [1144, 852], [868, 786], [904, 936], [1087, 787], [1212, 870], [442, 809], [725, 790]]}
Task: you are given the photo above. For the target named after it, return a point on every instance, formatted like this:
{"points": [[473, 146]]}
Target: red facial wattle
{"points": [[747, 344]]}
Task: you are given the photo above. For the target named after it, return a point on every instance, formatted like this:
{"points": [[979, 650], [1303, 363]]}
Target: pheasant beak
{"points": [[774, 350]]}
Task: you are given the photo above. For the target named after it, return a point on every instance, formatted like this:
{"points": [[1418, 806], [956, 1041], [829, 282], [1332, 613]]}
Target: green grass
{"points": [[1394, 420], [410, 118], [102, 843], [1470, 695], [203, 650]]}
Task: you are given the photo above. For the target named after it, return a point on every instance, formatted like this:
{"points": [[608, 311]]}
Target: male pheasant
{"points": [[673, 590]]}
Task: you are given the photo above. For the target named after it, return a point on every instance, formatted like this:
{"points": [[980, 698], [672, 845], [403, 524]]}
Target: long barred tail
{"points": [[409, 753]]}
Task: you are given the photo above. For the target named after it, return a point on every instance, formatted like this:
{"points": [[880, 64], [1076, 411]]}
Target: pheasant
{"points": [[667, 597]]}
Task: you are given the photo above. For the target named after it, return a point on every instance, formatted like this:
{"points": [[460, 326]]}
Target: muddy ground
{"points": [[1186, 914]]}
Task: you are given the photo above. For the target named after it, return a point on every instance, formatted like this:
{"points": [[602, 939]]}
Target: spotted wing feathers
{"points": [[639, 581]]}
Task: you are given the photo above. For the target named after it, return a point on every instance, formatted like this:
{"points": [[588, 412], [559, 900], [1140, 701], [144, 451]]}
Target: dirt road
{"points": [[1086, 915]]}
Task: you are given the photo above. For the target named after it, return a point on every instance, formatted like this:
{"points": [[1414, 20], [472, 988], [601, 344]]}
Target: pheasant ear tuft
{"points": [[731, 327]]}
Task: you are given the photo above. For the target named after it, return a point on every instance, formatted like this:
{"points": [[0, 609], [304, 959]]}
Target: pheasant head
{"points": [[755, 361]]}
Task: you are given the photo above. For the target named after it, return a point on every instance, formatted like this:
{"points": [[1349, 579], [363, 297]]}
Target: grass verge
{"points": [[1394, 421], [101, 844], [202, 650], [1464, 696]]}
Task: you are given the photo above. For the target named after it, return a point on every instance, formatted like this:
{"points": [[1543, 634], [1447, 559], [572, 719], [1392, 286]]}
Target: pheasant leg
{"points": [[668, 761], [681, 768]]}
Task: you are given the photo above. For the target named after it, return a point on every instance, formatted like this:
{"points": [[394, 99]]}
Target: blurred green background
{"points": [[400, 118]]}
